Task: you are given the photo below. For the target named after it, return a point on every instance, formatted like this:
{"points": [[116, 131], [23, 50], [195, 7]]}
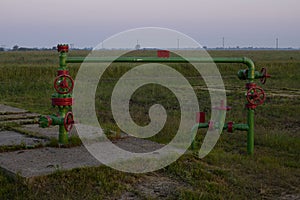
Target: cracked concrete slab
{"points": [[7, 117], [44, 161], [4, 109], [51, 131], [10, 138]]}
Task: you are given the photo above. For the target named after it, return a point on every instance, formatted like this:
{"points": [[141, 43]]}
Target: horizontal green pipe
{"points": [[243, 60], [240, 127], [46, 121], [202, 125]]}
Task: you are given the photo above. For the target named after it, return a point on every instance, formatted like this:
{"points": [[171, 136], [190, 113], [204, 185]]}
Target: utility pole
{"points": [[177, 43], [137, 46]]}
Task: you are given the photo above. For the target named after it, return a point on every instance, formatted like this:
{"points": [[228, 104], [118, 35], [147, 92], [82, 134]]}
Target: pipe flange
{"points": [[62, 101], [63, 48]]}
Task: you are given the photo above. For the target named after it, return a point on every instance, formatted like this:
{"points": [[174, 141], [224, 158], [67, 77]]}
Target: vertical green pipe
{"points": [[250, 135], [250, 117], [63, 134], [62, 60]]}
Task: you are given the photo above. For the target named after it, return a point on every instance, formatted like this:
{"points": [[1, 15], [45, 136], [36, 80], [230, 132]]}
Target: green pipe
{"points": [[243, 74], [243, 60], [62, 61], [250, 135], [240, 127], [63, 134], [46, 121], [250, 117]]}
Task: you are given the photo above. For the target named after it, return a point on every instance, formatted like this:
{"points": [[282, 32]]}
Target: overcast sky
{"points": [[85, 23]]}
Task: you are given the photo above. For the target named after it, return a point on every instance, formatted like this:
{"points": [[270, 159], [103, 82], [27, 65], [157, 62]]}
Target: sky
{"points": [[244, 23]]}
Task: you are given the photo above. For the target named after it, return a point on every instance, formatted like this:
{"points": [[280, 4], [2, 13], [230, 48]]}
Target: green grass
{"points": [[26, 81]]}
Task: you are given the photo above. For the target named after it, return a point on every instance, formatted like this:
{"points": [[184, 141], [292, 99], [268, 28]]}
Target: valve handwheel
{"points": [[256, 96], [265, 75], [64, 84], [68, 121]]}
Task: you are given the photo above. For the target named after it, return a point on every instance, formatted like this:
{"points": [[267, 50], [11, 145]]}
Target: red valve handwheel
{"points": [[64, 84], [263, 79], [256, 96], [68, 121]]}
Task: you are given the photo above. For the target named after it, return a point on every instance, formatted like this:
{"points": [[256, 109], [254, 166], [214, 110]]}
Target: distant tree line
{"points": [[17, 48]]}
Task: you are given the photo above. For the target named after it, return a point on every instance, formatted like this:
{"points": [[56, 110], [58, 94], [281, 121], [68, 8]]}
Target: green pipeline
{"points": [[239, 127], [242, 60]]}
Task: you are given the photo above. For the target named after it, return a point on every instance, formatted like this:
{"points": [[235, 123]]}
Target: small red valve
{"points": [[68, 121], [63, 84], [255, 96], [265, 75]]}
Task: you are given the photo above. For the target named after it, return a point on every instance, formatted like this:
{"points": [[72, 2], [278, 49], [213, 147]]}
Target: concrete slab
{"points": [[4, 109], [9, 138], [48, 132], [7, 117], [19, 121], [137, 145], [10, 114], [44, 161]]}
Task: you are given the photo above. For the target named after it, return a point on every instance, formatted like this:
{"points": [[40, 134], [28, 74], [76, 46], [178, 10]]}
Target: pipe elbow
{"points": [[251, 67]]}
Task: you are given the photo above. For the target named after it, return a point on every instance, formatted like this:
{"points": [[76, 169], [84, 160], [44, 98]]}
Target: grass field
{"points": [[273, 172]]}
